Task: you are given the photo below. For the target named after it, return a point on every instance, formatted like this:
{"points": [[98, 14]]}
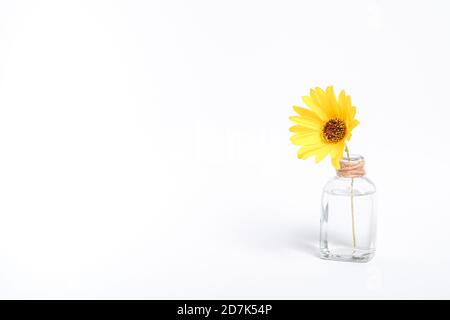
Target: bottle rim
{"points": [[352, 158], [352, 167]]}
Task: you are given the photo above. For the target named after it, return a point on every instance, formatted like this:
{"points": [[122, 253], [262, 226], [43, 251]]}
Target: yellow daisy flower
{"points": [[323, 129]]}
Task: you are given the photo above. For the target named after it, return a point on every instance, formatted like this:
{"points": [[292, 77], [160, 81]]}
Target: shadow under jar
{"points": [[348, 221]]}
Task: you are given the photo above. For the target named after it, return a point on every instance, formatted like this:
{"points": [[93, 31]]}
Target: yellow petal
{"points": [[306, 113], [334, 108], [349, 136], [323, 152], [306, 139], [350, 111], [300, 129], [336, 154], [314, 105], [324, 102], [342, 101], [306, 122], [353, 124], [308, 151]]}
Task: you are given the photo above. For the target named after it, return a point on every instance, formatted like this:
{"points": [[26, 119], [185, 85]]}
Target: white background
{"points": [[145, 153]]}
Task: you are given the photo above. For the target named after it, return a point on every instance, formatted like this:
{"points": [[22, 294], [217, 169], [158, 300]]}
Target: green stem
{"points": [[352, 204], [347, 152]]}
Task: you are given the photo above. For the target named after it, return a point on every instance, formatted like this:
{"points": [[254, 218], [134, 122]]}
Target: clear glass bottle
{"points": [[348, 221]]}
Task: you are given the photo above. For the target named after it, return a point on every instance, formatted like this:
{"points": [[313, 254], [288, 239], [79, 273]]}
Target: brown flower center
{"points": [[334, 130]]}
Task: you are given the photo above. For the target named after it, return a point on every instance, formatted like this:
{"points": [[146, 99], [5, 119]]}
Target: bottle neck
{"points": [[351, 167]]}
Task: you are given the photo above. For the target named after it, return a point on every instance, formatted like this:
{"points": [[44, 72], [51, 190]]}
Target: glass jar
{"points": [[348, 221]]}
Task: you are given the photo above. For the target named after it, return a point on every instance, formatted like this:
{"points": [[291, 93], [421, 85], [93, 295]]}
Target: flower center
{"points": [[334, 130]]}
